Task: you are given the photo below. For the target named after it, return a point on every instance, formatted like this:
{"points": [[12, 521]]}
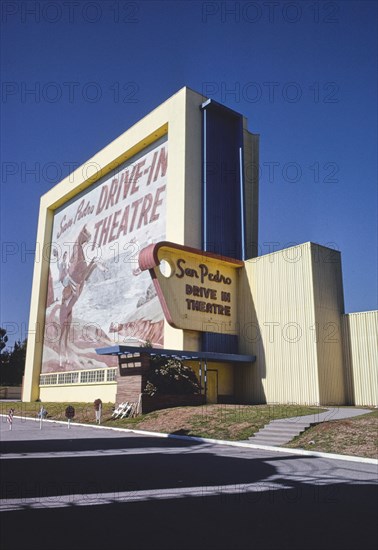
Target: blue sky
{"points": [[75, 75]]}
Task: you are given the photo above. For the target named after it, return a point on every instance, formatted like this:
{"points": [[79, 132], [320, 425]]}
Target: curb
{"points": [[284, 450]]}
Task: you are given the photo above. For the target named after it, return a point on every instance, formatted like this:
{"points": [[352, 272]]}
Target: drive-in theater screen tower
{"points": [[154, 241]]}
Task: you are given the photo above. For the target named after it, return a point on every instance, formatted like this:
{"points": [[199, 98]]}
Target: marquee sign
{"points": [[196, 289]]}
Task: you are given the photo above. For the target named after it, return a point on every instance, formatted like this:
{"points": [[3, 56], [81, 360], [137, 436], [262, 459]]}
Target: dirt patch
{"points": [[169, 421], [355, 436]]}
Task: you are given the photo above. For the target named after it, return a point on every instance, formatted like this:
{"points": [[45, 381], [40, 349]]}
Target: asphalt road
{"points": [[85, 488]]}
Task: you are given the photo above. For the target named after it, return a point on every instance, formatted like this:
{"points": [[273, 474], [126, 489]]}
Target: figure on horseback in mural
{"points": [[63, 268], [73, 275]]}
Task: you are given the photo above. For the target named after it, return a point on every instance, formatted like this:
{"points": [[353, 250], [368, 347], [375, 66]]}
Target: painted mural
{"points": [[97, 296]]}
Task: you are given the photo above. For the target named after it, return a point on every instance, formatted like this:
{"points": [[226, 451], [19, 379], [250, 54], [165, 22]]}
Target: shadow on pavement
{"points": [[242, 502], [45, 477], [302, 517], [97, 443]]}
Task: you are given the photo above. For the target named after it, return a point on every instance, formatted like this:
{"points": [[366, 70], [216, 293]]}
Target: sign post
{"points": [[10, 418], [70, 413], [98, 410], [42, 415]]}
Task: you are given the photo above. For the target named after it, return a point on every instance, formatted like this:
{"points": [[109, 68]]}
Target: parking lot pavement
{"points": [[88, 488], [24, 429]]}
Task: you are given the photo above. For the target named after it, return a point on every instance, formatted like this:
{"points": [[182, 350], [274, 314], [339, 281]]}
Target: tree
{"points": [[3, 339], [171, 376], [13, 364]]}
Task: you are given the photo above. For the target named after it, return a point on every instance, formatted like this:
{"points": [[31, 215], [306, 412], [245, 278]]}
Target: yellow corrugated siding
{"points": [[291, 304], [360, 339], [281, 307], [329, 307]]}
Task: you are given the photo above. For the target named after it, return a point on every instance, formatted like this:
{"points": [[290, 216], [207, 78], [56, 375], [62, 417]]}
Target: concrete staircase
{"points": [[279, 432]]}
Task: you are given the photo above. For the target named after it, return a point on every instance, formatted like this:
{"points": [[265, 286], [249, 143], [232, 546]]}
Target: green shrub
{"points": [[172, 377]]}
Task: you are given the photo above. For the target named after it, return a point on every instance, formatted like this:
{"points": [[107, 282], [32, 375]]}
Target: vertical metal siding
{"points": [[277, 317], [329, 307], [360, 339], [229, 194], [223, 186], [220, 343], [290, 304], [251, 192]]}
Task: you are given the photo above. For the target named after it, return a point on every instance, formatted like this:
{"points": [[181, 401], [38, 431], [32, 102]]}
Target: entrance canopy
{"points": [[178, 354], [134, 361]]}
